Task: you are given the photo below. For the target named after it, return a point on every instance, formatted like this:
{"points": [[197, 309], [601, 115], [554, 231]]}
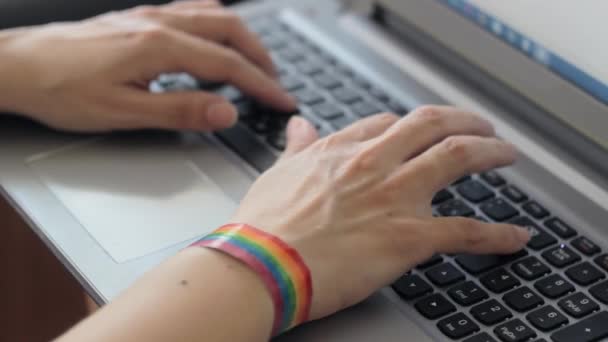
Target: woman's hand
{"points": [[357, 204], [94, 75]]}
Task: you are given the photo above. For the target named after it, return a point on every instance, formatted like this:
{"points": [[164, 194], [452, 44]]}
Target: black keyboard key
{"points": [[561, 256], [547, 318], [457, 326], [474, 191], [240, 139], [590, 329], [309, 67], [434, 260], [600, 292], [278, 140], [530, 268], [554, 286], [493, 178], [346, 95], [585, 246], [379, 94], [361, 82], [514, 331], [523, 299], [499, 210], [514, 194], [364, 109], [308, 97], [397, 107], [262, 125], [535, 210], [584, 274], [444, 275], [340, 122], [602, 261], [560, 228], [540, 239], [434, 306], [490, 312], [327, 81], [455, 207], [483, 337], [442, 196], [499, 281], [292, 55], [328, 111], [292, 83], [476, 264], [411, 286], [578, 305], [467, 293], [462, 179]]}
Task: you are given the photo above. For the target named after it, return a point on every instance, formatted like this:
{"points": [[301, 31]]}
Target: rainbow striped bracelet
{"points": [[282, 269]]}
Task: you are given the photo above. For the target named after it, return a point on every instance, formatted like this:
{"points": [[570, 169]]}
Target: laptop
{"points": [[113, 206]]}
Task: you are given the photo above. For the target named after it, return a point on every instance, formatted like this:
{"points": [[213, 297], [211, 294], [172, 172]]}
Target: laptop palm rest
{"points": [[140, 196]]}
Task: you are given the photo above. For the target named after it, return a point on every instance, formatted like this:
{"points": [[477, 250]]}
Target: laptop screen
{"points": [[565, 36]]}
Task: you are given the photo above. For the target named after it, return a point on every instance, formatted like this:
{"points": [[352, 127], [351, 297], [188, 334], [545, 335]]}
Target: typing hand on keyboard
{"points": [[357, 204], [94, 75]]}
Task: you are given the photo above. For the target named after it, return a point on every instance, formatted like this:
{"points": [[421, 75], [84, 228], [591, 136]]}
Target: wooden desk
{"points": [[39, 299]]}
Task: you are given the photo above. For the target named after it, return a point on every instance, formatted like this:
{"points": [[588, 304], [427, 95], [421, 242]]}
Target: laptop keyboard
{"points": [[554, 288]]}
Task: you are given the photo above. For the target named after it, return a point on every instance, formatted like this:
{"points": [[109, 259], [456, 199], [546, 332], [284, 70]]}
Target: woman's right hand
{"points": [[357, 204]]}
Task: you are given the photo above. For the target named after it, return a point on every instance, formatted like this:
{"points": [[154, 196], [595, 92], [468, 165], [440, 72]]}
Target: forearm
{"points": [[198, 295], [7, 70]]}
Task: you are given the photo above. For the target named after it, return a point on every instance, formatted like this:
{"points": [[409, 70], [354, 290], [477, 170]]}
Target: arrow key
{"points": [[411, 286], [434, 306], [444, 274]]}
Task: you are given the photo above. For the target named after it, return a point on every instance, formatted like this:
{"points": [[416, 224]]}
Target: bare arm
{"points": [[198, 295], [359, 219]]}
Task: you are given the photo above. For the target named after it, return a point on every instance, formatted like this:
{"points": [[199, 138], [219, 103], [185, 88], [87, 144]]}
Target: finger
{"points": [[428, 125], [188, 4], [219, 25], [453, 158], [463, 235], [367, 128], [300, 135], [213, 62], [175, 111]]}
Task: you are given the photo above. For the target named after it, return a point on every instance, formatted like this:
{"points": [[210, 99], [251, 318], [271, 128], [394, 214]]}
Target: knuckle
{"points": [[472, 231], [153, 34], [387, 117], [232, 64], [364, 161], [458, 148], [145, 11], [430, 115], [185, 114]]}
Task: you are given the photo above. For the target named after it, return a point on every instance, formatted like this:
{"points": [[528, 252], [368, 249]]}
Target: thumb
{"points": [[300, 134]]}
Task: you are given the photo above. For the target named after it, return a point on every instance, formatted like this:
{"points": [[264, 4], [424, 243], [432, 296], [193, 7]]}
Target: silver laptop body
{"points": [[113, 206]]}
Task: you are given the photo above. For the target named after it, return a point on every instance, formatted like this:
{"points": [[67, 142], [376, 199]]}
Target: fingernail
{"points": [[523, 234], [221, 115]]}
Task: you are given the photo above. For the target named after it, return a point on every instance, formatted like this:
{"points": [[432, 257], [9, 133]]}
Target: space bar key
{"points": [[476, 264], [244, 143], [591, 329]]}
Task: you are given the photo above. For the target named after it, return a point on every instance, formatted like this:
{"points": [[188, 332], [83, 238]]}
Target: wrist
{"points": [[232, 289]]}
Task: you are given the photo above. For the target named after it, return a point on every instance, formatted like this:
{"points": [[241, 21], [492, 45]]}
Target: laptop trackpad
{"points": [[138, 199]]}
